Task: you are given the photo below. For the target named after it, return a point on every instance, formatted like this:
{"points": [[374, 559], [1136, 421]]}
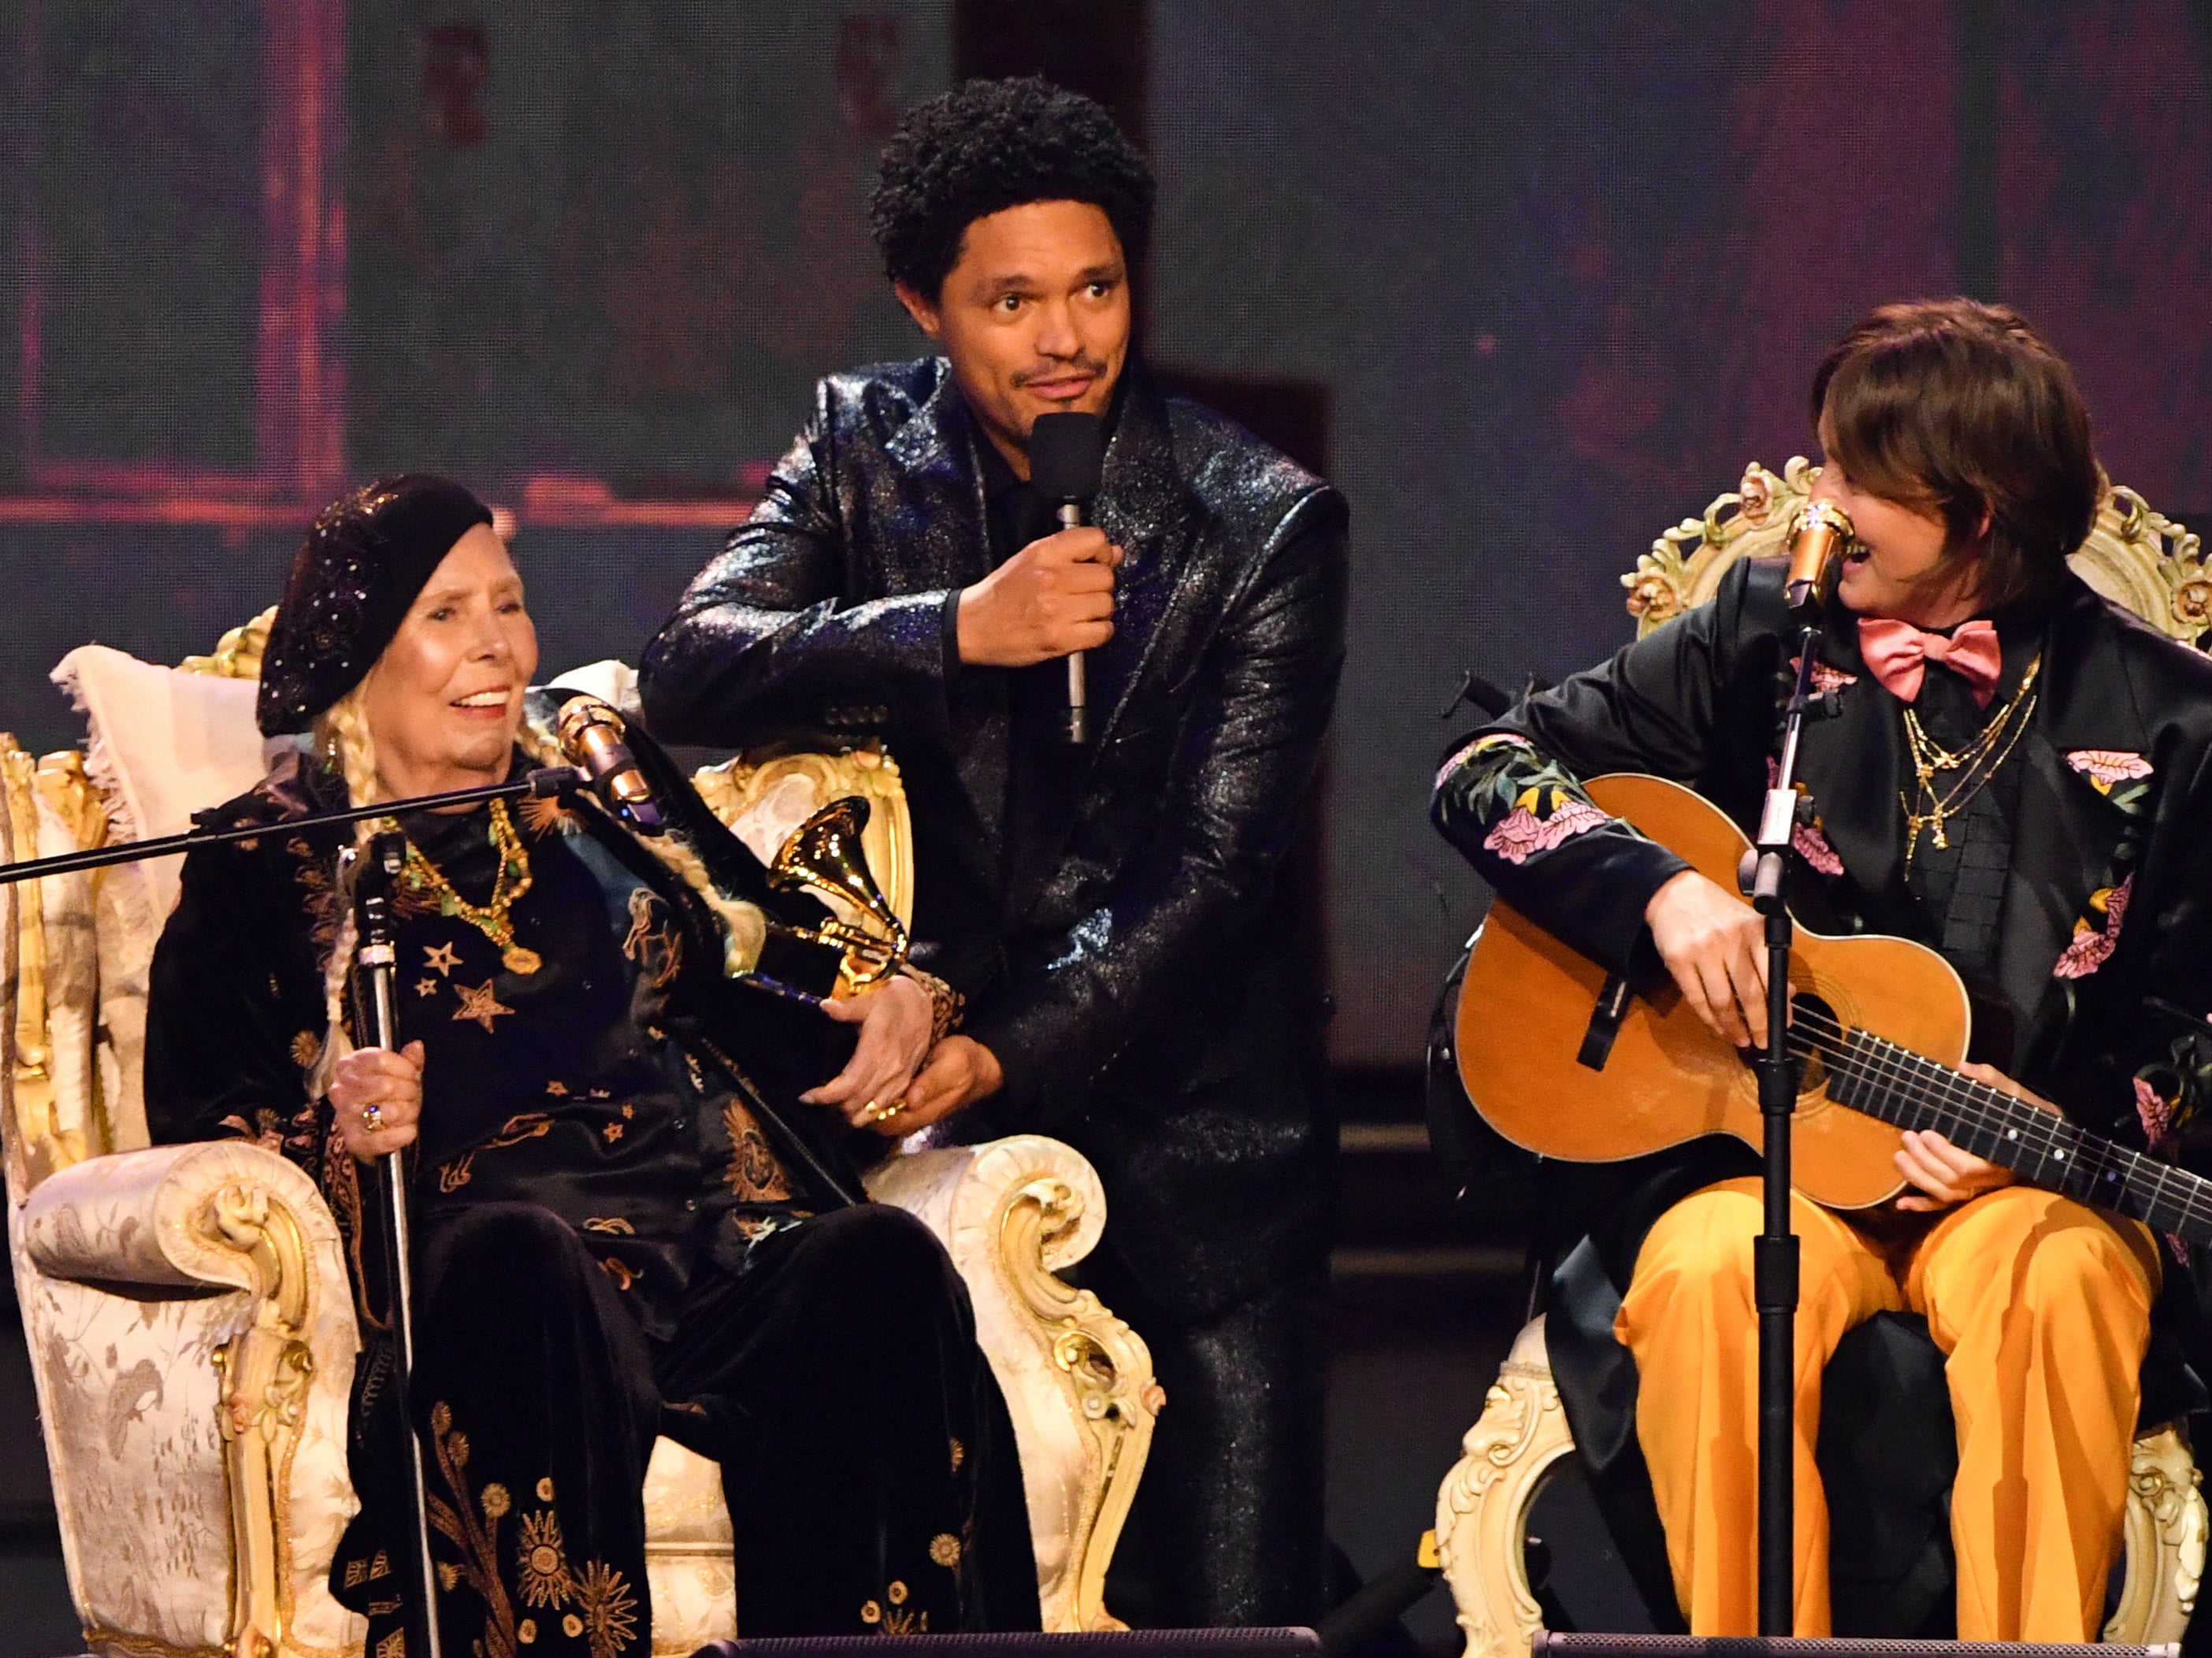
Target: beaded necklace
{"points": [[491, 918]]}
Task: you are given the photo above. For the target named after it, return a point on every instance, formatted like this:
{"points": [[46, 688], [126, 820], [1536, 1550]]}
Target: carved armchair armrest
{"points": [[192, 1336], [1077, 1379]]}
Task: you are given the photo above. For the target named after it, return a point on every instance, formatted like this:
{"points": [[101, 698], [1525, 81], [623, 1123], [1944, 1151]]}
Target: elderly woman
{"points": [[611, 1245]]}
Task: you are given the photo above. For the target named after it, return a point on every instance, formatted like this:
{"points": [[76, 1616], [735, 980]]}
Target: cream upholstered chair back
{"points": [[187, 1308], [2134, 556]]}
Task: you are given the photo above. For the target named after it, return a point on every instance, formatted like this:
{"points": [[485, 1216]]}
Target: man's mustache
{"points": [[1060, 370]]}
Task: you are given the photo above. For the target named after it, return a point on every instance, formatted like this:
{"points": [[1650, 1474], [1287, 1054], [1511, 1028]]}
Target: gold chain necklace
{"points": [[1976, 763], [492, 919]]}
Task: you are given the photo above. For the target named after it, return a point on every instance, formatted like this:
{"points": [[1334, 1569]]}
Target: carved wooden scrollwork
{"points": [[1106, 1371], [265, 1369], [238, 654], [2165, 1523], [1482, 1509]]}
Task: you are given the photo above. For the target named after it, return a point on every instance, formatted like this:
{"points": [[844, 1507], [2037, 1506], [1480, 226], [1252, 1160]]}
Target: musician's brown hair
{"points": [[1961, 406]]}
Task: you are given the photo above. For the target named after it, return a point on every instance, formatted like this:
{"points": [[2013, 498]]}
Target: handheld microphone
{"points": [[1823, 531], [591, 736], [1068, 457]]}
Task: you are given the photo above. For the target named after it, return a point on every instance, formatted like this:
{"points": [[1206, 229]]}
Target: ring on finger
{"points": [[884, 1113], [372, 1118]]}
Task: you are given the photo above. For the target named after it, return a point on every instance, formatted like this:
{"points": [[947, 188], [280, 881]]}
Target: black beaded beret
{"points": [[367, 556]]}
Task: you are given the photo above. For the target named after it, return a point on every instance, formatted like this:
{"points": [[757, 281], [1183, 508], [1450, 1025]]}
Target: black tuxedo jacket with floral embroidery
{"points": [[2108, 901], [570, 1087]]}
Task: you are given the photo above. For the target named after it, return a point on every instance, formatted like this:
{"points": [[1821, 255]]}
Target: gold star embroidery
{"points": [[613, 1131], [444, 957], [558, 1089], [425, 987], [479, 1005]]}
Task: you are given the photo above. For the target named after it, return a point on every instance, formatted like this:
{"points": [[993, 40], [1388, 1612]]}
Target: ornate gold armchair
{"points": [[191, 1329], [2136, 558]]}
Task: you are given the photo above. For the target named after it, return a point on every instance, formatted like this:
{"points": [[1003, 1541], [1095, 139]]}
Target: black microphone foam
{"points": [[1067, 455]]}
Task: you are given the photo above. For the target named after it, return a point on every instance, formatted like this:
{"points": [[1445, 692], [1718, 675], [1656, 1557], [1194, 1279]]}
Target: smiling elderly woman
{"points": [[611, 1245]]}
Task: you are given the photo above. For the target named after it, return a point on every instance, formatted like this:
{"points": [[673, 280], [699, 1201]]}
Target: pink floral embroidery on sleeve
{"points": [[1812, 846], [2089, 947], [1826, 678], [2156, 1111], [2106, 767], [1521, 834], [1458, 760]]}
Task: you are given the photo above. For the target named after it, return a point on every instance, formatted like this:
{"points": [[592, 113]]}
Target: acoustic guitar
{"points": [[1564, 1060]]}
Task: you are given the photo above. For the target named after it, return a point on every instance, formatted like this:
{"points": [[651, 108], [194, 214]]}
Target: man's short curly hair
{"points": [[989, 145]]}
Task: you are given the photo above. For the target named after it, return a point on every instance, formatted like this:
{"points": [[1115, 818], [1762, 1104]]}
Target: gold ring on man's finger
{"points": [[372, 1118], [884, 1113]]}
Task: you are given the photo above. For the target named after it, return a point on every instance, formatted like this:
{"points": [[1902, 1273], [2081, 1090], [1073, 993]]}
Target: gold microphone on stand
{"points": [[1823, 531]]}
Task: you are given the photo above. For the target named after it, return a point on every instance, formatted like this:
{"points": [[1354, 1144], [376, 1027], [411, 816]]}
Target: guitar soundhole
{"points": [[1809, 1007]]}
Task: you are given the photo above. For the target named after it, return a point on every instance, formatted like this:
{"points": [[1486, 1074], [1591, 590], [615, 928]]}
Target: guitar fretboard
{"points": [[1901, 1088]]}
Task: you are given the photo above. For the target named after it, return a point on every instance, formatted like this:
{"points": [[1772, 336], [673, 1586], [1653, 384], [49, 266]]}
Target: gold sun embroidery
{"points": [[480, 1005], [307, 1048], [543, 814], [444, 957], [944, 1549], [609, 1609], [541, 1564]]}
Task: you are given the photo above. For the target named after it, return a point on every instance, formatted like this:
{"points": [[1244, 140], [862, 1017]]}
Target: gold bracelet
{"points": [[945, 1003]]}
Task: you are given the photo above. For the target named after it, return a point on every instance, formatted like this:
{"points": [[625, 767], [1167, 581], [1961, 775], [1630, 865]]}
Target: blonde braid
{"points": [[343, 732]]}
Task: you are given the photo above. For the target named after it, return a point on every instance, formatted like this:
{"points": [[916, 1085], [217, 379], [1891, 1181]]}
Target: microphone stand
{"points": [[1775, 1252], [538, 785], [376, 1014]]}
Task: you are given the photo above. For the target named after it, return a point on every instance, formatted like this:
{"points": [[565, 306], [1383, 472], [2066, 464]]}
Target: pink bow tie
{"points": [[1897, 653]]}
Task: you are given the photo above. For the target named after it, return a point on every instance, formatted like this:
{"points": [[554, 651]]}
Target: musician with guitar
{"points": [[2005, 865]]}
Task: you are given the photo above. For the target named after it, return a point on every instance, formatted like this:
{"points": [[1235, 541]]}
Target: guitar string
{"points": [[2096, 1164], [1977, 1106]]}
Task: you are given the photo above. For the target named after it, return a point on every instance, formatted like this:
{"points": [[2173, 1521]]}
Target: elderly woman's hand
{"points": [[376, 1097], [895, 1018]]}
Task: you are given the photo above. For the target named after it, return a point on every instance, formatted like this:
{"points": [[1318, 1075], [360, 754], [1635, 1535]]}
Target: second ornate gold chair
{"points": [[191, 1327], [2133, 556]]}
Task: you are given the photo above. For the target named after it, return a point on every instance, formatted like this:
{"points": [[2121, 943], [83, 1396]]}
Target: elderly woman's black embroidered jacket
{"points": [[570, 1086]]}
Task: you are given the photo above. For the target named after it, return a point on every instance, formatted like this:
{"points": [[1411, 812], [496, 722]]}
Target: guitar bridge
{"points": [[1604, 1023]]}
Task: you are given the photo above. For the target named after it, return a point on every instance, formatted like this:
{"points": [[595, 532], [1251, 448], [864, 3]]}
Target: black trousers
{"points": [[867, 1460], [1227, 1527]]}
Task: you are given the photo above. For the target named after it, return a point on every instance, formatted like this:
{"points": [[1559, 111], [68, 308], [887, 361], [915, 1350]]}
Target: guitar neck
{"points": [[1908, 1091]]}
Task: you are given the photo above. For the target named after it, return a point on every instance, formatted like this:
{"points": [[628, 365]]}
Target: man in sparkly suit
{"points": [[1111, 910]]}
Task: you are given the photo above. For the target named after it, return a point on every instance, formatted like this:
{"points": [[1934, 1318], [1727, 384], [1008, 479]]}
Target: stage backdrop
{"points": [[1563, 269]]}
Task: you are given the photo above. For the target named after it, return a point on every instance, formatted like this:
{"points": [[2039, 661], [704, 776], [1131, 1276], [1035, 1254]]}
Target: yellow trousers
{"points": [[2042, 1309]]}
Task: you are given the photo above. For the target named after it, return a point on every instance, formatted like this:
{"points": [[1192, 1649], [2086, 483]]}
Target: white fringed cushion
{"points": [[160, 744]]}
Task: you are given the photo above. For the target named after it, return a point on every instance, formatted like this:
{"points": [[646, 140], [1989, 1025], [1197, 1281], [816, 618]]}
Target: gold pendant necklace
{"points": [[492, 919], [1976, 763]]}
